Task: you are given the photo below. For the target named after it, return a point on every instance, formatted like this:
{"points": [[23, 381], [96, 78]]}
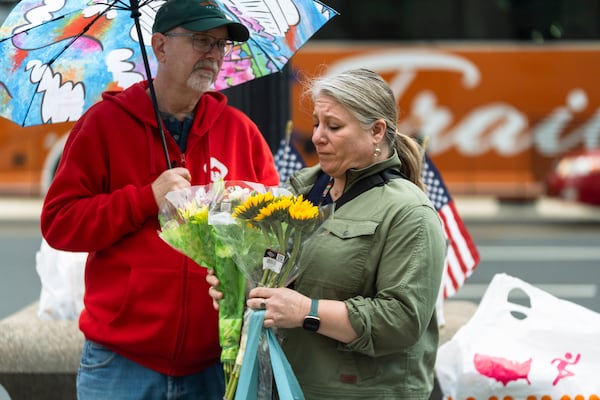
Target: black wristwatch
{"points": [[312, 320]]}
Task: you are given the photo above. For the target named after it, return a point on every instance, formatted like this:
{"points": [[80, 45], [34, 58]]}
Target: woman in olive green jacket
{"points": [[360, 319]]}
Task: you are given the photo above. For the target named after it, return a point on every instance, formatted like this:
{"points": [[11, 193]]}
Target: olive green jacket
{"points": [[382, 253]]}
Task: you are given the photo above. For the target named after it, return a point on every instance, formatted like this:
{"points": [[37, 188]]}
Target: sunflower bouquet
{"points": [[265, 240], [270, 229], [186, 225]]}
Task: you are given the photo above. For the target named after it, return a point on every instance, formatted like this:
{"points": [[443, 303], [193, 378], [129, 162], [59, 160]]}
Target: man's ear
{"points": [[158, 46]]}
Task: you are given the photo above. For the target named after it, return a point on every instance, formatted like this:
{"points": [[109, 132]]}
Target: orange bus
{"points": [[501, 88], [496, 115]]}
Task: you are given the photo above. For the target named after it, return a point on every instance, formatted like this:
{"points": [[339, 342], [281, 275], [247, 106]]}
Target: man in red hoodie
{"points": [[150, 328]]}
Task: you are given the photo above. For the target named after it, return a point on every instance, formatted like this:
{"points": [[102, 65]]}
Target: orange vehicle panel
{"points": [[26, 152], [496, 115]]}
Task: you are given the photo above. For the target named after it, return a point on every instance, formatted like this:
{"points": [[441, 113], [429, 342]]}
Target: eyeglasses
{"points": [[205, 43]]}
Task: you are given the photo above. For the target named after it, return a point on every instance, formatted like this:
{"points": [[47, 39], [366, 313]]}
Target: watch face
{"points": [[311, 323]]}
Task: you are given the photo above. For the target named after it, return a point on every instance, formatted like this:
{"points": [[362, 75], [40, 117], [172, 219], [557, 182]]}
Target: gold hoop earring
{"points": [[377, 152]]}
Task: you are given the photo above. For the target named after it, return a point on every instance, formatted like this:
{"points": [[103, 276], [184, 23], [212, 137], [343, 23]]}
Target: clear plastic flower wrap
{"points": [[255, 230], [267, 235], [265, 239], [184, 221]]}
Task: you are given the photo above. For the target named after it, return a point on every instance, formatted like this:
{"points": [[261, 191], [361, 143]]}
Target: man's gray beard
{"points": [[200, 82]]}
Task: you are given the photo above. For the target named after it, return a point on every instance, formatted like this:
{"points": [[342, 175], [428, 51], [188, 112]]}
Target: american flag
{"points": [[462, 257], [287, 160]]}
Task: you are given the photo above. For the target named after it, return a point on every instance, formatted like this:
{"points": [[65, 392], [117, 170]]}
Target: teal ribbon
{"points": [[288, 387]]}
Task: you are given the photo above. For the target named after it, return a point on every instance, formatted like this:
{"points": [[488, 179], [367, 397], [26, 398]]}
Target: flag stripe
{"points": [[451, 272], [462, 257], [460, 261], [462, 238], [456, 240]]}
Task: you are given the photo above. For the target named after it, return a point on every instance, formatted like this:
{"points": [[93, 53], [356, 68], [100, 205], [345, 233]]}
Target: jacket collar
{"points": [[355, 175], [303, 181]]}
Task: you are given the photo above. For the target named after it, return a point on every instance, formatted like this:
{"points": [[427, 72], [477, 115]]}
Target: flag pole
{"points": [[288, 132], [425, 144]]}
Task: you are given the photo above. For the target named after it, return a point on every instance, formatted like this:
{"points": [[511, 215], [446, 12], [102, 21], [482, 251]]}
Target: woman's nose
{"points": [[317, 135]]}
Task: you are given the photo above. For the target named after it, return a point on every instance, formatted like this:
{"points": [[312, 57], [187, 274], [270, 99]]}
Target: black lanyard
{"points": [[319, 194]]}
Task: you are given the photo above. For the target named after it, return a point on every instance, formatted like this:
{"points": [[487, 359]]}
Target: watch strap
{"points": [[312, 322], [314, 308]]}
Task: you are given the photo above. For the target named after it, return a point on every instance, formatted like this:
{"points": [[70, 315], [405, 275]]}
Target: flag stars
{"points": [[287, 160]]}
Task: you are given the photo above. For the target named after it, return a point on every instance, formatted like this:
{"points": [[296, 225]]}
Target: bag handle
{"points": [[287, 383], [248, 381]]}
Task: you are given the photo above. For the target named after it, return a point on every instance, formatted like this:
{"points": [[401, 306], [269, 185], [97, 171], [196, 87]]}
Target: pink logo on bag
{"points": [[561, 365], [502, 369]]}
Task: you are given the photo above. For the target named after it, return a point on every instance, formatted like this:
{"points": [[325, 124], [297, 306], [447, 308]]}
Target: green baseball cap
{"points": [[198, 16]]}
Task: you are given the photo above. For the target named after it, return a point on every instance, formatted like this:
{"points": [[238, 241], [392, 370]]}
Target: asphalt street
{"points": [[507, 235], [527, 240]]}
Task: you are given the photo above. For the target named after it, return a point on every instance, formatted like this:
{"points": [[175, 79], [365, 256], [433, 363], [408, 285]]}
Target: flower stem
{"points": [[266, 277], [289, 265], [266, 272], [232, 383], [281, 238], [234, 376]]}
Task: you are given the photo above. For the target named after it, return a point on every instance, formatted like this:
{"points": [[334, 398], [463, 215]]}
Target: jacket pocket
{"points": [[341, 258], [347, 229]]}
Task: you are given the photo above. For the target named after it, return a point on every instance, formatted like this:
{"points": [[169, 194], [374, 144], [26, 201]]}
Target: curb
{"points": [[472, 208], [20, 209]]}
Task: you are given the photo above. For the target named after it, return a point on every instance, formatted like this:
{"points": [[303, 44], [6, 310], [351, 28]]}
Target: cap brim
{"points": [[237, 31]]}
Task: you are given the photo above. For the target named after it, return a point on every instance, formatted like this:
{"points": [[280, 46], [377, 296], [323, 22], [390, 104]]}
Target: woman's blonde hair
{"points": [[368, 97]]}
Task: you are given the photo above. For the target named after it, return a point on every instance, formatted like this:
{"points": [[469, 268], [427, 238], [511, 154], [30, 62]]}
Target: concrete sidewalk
{"points": [[471, 208], [20, 208]]}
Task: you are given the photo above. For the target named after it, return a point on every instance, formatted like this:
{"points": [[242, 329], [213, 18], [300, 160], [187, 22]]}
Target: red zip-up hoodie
{"points": [[143, 299]]}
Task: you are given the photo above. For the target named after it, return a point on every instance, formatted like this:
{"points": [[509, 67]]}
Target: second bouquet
{"points": [[250, 235]]}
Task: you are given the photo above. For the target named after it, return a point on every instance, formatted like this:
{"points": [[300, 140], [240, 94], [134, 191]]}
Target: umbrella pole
{"points": [[135, 14]]}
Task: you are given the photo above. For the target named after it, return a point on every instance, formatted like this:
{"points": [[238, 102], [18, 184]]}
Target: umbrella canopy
{"points": [[58, 56]]}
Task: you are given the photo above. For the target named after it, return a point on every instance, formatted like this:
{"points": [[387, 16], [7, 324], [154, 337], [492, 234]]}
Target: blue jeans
{"points": [[103, 374]]}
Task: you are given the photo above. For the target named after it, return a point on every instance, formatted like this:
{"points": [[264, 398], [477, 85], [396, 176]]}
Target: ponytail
{"points": [[411, 155]]}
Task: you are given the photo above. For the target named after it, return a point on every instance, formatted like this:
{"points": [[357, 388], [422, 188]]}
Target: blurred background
{"points": [[505, 91]]}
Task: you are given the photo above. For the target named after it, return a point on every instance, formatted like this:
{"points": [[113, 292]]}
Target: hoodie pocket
{"points": [[151, 309]]}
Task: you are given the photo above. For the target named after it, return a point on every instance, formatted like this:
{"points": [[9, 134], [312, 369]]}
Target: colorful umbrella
{"points": [[58, 56]]}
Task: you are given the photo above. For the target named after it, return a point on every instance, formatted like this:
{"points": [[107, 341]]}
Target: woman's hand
{"points": [[213, 281], [284, 308]]}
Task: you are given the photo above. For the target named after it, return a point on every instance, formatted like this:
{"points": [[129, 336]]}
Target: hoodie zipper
{"points": [[184, 310], [181, 160]]}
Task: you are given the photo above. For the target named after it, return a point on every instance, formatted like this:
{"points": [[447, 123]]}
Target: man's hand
{"points": [[213, 281], [170, 180]]}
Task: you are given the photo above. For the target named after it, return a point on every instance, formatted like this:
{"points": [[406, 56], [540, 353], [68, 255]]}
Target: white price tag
{"points": [[225, 206], [273, 260]]}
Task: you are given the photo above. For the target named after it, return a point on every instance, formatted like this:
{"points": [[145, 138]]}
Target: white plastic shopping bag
{"points": [[549, 348], [61, 275]]}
